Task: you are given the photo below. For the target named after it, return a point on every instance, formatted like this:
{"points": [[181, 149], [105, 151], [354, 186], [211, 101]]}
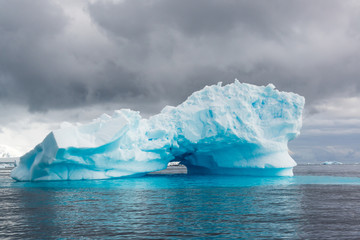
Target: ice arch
{"points": [[234, 129]]}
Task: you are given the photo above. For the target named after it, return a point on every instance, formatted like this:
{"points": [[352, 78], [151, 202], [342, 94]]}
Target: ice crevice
{"points": [[236, 129]]}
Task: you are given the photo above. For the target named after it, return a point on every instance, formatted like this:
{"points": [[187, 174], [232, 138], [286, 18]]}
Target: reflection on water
{"points": [[181, 206]]}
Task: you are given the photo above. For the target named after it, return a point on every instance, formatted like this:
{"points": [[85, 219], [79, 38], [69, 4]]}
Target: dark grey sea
{"points": [[319, 202]]}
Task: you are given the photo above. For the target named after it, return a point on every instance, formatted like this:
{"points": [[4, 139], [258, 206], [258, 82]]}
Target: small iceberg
{"points": [[6, 165], [171, 164], [331, 163]]}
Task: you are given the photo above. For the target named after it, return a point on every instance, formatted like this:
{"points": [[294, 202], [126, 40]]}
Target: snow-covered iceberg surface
{"points": [[233, 129]]}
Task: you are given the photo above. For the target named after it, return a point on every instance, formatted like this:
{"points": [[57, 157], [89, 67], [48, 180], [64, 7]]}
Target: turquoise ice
{"points": [[237, 129]]}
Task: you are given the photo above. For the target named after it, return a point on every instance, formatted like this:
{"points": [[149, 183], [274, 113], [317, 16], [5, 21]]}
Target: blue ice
{"points": [[236, 129]]}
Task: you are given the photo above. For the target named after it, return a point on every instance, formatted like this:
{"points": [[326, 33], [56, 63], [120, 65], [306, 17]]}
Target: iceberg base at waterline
{"points": [[236, 129], [268, 165], [265, 172]]}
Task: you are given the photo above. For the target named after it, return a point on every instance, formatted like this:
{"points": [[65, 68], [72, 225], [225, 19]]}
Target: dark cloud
{"points": [[161, 51], [114, 81], [41, 72], [306, 48]]}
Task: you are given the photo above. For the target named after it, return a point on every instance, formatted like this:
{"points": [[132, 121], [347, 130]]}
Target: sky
{"points": [[71, 60]]}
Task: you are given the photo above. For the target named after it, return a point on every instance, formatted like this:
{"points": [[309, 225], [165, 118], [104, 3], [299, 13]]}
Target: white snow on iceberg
{"points": [[234, 129]]}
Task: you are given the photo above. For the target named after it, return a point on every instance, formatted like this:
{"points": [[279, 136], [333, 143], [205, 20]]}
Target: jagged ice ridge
{"points": [[239, 129]]}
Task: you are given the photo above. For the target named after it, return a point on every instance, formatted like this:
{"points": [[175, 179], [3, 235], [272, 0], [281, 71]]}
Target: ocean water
{"points": [[320, 202]]}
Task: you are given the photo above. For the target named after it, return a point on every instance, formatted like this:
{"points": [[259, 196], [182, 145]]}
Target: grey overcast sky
{"points": [[71, 60]]}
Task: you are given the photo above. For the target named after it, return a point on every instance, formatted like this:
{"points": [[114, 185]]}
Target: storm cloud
{"points": [[161, 51], [61, 59]]}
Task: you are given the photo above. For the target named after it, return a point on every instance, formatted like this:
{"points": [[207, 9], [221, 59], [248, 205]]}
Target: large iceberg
{"points": [[237, 129]]}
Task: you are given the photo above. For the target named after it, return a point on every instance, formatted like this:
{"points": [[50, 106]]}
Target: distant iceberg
{"points": [[237, 129], [170, 164], [332, 163]]}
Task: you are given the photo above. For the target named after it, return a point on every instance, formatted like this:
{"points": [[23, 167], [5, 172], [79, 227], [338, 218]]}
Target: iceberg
{"points": [[332, 163], [236, 129]]}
